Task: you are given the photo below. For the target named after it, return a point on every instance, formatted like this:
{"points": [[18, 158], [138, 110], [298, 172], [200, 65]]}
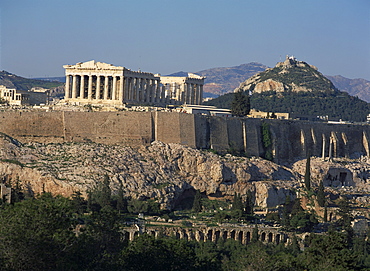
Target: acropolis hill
{"points": [[113, 142]]}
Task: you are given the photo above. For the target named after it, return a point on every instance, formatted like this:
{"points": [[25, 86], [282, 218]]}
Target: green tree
{"points": [[240, 106], [197, 204], [121, 204], [321, 195], [37, 234], [255, 235], [249, 204], [266, 140], [307, 175], [101, 195]]}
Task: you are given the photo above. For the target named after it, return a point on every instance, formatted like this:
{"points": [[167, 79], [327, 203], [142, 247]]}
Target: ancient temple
{"points": [[101, 83]]}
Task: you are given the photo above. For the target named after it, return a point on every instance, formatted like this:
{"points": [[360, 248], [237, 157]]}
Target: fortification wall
{"points": [[290, 139]]}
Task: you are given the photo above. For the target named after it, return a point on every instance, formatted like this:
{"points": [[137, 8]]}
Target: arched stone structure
{"points": [[213, 234]]}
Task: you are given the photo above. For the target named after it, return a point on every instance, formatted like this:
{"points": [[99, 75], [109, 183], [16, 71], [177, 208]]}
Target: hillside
{"points": [[13, 81], [290, 75], [338, 105], [296, 87]]}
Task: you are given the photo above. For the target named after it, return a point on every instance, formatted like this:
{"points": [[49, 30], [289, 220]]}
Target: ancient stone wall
{"points": [[213, 234], [290, 139]]}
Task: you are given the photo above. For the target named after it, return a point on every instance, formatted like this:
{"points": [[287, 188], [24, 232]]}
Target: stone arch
{"points": [[240, 236], [126, 235], [277, 238], [232, 234], [224, 235], [270, 237], [209, 235], [248, 237], [200, 236], [216, 235], [185, 235], [263, 237]]}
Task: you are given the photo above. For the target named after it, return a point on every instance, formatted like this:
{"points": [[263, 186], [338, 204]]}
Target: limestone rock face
{"points": [[160, 171], [164, 172]]}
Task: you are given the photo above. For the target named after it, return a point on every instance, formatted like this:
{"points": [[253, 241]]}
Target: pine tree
{"points": [[121, 201], [249, 204], [255, 234], [307, 175], [240, 106], [326, 214], [237, 203], [197, 204], [321, 195]]}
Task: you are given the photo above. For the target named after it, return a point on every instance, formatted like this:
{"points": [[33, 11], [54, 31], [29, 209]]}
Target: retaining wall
{"points": [[290, 139]]}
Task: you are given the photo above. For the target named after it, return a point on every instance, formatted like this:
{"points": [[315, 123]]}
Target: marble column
{"points": [[74, 87], [121, 89], [192, 93], [67, 86], [98, 83], [127, 90], [188, 90], [89, 90], [200, 94], [114, 88], [106, 86], [82, 87], [148, 90], [195, 97], [152, 91]]}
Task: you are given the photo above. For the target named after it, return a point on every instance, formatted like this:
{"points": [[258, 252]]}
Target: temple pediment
{"points": [[92, 64]]}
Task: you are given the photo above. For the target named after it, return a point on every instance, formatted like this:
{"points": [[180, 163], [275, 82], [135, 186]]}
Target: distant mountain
{"points": [[355, 87], [14, 81], [61, 79], [222, 80]]}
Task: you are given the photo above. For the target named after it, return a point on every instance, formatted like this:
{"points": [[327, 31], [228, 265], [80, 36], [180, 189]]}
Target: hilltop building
{"points": [[101, 83], [35, 96]]}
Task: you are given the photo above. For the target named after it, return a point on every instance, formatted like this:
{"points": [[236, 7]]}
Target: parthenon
{"points": [[101, 83]]}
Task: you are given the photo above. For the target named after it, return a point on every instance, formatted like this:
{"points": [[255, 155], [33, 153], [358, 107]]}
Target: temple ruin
{"points": [[101, 83]]}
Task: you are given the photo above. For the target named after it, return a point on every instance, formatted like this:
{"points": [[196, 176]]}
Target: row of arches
{"points": [[244, 236]]}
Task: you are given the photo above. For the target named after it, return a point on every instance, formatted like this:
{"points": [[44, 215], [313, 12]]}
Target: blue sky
{"points": [[37, 37]]}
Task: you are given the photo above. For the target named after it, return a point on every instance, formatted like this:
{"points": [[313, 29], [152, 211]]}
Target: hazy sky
{"points": [[37, 37]]}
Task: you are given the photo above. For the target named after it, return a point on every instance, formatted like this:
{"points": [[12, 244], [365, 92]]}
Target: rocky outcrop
{"points": [[164, 172]]}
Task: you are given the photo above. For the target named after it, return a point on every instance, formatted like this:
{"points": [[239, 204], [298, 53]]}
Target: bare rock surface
{"points": [[160, 171]]}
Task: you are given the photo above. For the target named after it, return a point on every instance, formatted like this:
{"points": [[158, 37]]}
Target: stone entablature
{"points": [[101, 83], [184, 90]]}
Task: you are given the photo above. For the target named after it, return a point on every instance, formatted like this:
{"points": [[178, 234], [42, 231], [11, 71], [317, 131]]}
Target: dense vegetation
{"points": [[13, 81], [304, 76], [337, 105], [240, 106], [57, 233]]}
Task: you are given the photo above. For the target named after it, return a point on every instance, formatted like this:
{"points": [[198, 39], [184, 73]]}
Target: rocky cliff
{"points": [[165, 172]]}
